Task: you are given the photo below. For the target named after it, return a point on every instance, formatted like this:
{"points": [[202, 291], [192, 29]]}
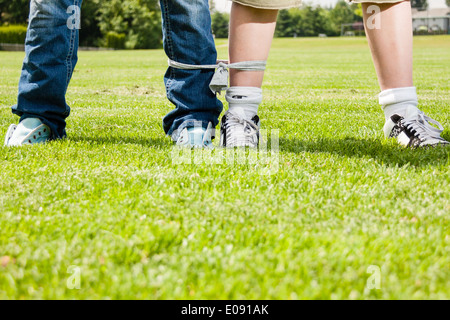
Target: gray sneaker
{"points": [[237, 131]]}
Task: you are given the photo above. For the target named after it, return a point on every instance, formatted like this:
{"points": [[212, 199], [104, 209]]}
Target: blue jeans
{"points": [[188, 39], [50, 57]]}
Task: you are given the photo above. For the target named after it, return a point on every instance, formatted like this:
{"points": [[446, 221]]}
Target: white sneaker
{"points": [[415, 131], [29, 131], [196, 137], [237, 131]]}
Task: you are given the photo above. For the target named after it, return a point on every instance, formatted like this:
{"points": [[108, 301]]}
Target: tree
{"points": [[90, 31], [139, 20], [220, 24], [284, 24], [212, 6], [314, 22], [311, 21], [419, 4], [14, 12], [357, 10], [448, 3], [342, 13], [308, 23]]}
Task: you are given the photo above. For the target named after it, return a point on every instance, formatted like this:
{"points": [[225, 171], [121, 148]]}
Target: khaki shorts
{"points": [[376, 1], [270, 4], [284, 4]]}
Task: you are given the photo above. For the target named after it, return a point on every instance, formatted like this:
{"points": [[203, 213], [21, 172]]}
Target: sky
{"points": [[224, 5]]}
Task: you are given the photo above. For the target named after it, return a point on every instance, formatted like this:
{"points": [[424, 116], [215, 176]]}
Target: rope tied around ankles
{"points": [[219, 81]]}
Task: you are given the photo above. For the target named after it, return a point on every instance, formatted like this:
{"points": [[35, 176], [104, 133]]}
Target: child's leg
{"points": [[390, 40], [251, 34], [391, 43]]}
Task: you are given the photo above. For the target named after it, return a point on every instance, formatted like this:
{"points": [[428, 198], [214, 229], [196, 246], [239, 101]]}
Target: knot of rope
{"points": [[219, 81]]}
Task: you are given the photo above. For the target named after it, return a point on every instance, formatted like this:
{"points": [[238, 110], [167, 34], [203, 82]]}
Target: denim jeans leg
{"points": [[188, 38], [50, 57]]}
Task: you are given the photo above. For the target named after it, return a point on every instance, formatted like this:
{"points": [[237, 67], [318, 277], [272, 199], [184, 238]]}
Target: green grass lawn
{"points": [[110, 201]]}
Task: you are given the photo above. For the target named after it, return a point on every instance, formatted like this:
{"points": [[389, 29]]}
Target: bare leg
{"points": [[391, 44], [251, 34]]}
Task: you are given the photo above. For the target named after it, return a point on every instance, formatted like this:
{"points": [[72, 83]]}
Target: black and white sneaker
{"points": [[416, 131], [236, 131]]}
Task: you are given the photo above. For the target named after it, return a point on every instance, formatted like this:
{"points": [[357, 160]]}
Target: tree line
{"points": [[307, 21], [131, 24], [310, 21], [136, 24]]}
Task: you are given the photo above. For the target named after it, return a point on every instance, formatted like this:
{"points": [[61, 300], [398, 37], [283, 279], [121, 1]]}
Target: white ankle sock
{"points": [[401, 101], [244, 100]]}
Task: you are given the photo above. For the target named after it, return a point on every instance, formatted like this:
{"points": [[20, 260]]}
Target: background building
{"points": [[431, 21]]}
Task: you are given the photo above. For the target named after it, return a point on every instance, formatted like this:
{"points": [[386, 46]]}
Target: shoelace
{"points": [[422, 129], [249, 134]]}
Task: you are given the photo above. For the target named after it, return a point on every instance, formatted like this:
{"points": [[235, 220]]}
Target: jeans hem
{"points": [[54, 134]]}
